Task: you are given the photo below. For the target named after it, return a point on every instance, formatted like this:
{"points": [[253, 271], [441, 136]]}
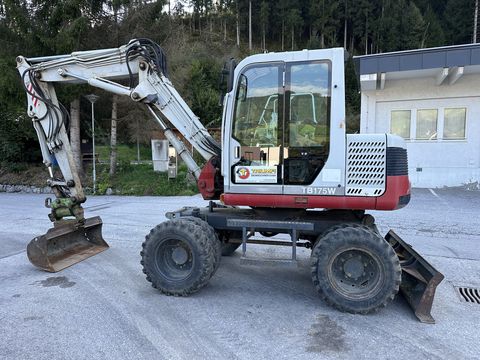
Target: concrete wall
{"points": [[432, 163]]}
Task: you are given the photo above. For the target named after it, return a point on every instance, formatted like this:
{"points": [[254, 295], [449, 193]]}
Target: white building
{"points": [[431, 97]]}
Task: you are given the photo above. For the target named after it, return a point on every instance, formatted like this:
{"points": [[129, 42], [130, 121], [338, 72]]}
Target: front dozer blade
{"points": [[66, 244], [419, 278]]}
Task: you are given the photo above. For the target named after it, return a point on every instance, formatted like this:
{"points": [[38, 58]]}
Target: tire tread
{"points": [[341, 234], [207, 255]]}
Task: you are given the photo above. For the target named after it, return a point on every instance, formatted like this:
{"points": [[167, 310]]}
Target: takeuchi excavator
{"points": [[284, 166]]}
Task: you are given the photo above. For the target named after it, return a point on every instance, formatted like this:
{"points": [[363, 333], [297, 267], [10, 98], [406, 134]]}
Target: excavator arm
{"points": [[143, 63]]}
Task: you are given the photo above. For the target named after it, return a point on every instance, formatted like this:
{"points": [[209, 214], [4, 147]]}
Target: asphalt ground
{"points": [[103, 308]]}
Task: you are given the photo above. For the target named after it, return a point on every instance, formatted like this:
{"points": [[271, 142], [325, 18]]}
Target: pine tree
{"points": [[412, 26], [434, 34], [362, 24], [325, 14], [388, 27], [458, 18], [282, 7], [264, 10]]}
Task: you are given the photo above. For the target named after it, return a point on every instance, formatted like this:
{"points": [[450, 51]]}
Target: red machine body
{"points": [[396, 196]]}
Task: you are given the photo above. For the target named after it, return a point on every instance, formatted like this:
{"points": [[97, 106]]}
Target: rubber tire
{"points": [[372, 228], [268, 233], [210, 231], [201, 245], [229, 248], [364, 238]]}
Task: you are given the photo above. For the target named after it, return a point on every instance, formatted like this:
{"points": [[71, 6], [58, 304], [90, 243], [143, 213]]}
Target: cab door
{"points": [[257, 130], [307, 122]]}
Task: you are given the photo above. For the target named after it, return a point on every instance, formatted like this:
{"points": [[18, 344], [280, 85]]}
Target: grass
{"points": [[124, 152], [131, 179], [140, 179], [137, 179], [23, 174]]}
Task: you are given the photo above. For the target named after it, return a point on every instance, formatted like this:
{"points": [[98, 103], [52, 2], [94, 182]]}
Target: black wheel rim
{"points": [[355, 273], [174, 259]]}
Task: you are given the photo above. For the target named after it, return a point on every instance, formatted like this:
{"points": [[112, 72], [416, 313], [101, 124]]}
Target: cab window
{"points": [[307, 126]]}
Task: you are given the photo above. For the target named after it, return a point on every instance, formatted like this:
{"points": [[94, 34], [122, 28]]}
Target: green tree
{"points": [[412, 26], [433, 34], [17, 137], [389, 25], [197, 6], [203, 93], [16, 131], [458, 18], [264, 12], [282, 8], [362, 24], [325, 20], [294, 21]]}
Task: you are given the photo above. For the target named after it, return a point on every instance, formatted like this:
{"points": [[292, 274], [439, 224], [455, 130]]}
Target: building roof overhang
{"points": [[446, 64]]}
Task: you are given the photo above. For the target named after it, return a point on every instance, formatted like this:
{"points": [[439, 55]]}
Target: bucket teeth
{"points": [[419, 278], [66, 244]]}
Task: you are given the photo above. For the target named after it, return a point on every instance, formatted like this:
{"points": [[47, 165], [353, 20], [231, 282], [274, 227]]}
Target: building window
{"points": [[427, 124], [454, 124], [400, 123]]}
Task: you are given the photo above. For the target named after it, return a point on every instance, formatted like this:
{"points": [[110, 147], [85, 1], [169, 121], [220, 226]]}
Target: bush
{"points": [[204, 95], [18, 141], [15, 168]]}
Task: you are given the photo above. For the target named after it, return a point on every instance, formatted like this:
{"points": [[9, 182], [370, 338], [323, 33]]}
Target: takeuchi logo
{"points": [[243, 173]]}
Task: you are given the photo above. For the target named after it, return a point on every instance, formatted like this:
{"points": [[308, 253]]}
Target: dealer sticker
{"points": [[256, 174]]}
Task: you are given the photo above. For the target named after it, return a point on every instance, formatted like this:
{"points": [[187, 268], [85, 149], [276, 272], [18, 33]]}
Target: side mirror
{"points": [[242, 88], [226, 78], [229, 69]]}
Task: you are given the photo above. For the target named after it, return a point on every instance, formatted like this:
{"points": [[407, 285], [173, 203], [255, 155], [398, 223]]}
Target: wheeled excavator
{"points": [[284, 173]]}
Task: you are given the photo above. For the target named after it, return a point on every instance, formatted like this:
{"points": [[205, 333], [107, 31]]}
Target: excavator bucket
{"points": [[66, 244], [419, 278]]}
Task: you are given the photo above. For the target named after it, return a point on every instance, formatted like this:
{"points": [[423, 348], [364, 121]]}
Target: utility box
{"points": [[172, 171], [160, 156], [173, 163]]}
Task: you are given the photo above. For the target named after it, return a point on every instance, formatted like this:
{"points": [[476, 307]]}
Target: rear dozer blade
{"points": [[419, 278], [66, 244]]}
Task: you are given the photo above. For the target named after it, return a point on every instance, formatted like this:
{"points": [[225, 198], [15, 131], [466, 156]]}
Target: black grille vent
{"points": [[470, 295], [365, 166], [397, 162]]}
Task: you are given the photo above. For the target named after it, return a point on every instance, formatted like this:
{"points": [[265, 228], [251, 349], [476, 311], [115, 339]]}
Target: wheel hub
{"points": [[355, 272], [174, 259], [179, 255], [353, 268]]}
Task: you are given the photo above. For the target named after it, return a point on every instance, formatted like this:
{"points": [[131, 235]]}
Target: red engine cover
{"points": [[397, 195]]}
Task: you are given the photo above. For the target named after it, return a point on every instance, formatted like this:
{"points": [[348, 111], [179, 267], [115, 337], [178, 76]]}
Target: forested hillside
{"points": [[197, 37]]}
